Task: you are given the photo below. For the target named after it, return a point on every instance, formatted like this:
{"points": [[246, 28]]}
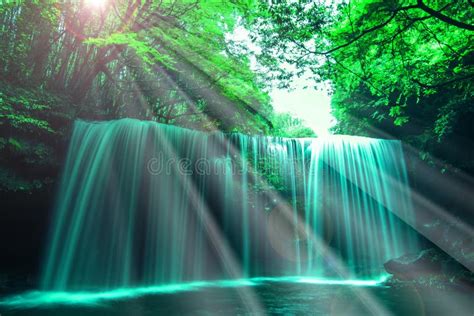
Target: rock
{"points": [[454, 239], [428, 263]]}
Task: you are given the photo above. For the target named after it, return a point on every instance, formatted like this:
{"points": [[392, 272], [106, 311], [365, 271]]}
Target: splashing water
{"points": [[144, 204]]}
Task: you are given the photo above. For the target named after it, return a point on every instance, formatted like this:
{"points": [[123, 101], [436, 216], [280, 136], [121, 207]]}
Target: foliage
{"points": [[168, 61], [398, 68], [32, 127], [28, 111], [285, 125]]}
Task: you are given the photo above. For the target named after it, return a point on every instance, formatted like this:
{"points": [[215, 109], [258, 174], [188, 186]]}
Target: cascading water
{"points": [[142, 203]]}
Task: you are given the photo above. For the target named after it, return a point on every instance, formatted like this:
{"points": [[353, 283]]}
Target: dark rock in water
{"points": [[429, 263], [452, 238]]}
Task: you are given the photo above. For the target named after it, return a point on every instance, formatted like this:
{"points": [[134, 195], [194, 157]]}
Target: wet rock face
{"points": [[24, 228], [429, 263]]}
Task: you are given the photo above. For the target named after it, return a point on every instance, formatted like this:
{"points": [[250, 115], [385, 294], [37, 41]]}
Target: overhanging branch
{"points": [[443, 17]]}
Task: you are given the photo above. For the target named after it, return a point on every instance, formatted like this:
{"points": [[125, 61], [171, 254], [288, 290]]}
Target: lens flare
{"points": [[96, 3]]}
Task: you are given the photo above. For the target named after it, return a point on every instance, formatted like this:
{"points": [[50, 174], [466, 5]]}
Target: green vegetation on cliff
{"points": [[401, 69], [32, 127]]}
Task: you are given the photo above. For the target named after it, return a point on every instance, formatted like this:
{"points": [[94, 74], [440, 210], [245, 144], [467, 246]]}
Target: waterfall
{"points": [[141, 203]]}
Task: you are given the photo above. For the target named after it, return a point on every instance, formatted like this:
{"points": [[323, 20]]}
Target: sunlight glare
{"points": [[96, 3]]}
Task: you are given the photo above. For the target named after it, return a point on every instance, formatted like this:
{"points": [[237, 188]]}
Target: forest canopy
{"points": [[397, 69], [401, 69], [164, 60]]}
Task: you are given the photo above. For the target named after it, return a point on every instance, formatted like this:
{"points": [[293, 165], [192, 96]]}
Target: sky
{"points": [[311, 105]]}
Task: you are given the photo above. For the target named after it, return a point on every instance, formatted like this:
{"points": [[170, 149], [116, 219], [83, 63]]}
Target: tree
{"points": [[285, 125], [402, 68], [163, 60]]}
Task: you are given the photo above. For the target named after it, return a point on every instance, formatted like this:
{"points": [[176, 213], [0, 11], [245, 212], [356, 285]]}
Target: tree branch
{"points": [[424, 85], [367, 31], [443, 17]]}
